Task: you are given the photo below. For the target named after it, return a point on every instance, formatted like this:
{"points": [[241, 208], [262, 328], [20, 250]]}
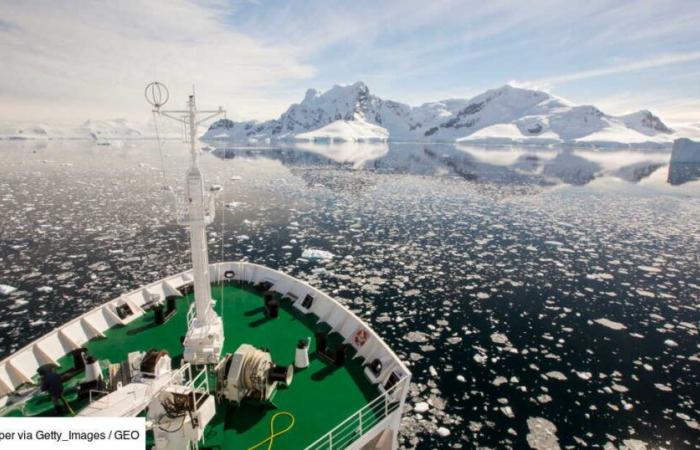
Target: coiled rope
{"points": [[270, 439]]}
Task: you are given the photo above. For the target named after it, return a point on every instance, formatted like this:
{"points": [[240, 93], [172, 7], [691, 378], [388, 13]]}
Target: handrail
{"points": [[96, 391], [191, 315], [363, 420]]}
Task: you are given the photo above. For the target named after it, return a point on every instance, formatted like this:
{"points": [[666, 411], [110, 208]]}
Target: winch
{"points": [[249, 373]]}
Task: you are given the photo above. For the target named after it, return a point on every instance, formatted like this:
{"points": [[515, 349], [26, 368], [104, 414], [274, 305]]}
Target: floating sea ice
{"points": [[421, 407], [499, 381], [556, 375], [692, 423], [444, 432], [480, 359], [633, 444], [671, 343], [314, 254], [542, 434], [6, 289], [461, 378], [416, 336], [544, 398], [662, 387], [649, 269], [610, 324], [499, 338], [600, 276], [584, 375], [45, 289], [507, 411]]}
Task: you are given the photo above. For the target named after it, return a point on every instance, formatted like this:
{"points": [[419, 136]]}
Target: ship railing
{"points": [[96, 392], [191, 315], [363, 420], [198, 383]]}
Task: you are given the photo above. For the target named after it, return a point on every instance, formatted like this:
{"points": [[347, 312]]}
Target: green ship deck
{"points": [[320, 396]]}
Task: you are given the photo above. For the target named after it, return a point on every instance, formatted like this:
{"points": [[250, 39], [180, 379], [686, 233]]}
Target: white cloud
{"points": [[624, 67], [674, 111], [67, 60], [79, 59]]}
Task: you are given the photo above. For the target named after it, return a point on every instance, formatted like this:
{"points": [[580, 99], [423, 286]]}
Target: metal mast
{"points": [[205, 334]]}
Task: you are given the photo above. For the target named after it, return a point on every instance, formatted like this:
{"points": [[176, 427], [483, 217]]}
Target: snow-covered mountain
{"points": [[350, 113], [507, 115], [97, 130]]}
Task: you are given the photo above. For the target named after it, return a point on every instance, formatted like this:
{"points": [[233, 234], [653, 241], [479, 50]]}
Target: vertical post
{"points": [[360, 422], [398, 412], [196, 203], [205, 333]]}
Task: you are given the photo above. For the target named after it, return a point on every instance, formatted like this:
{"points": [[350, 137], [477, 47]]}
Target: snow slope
{"points": [[357, 130], [507, 115]]}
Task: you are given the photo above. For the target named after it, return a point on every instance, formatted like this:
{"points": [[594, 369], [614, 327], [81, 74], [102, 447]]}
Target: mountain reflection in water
{"points": [[514, 165]]}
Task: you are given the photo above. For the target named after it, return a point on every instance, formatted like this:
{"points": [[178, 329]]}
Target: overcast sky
{"points": [[65, 62]]}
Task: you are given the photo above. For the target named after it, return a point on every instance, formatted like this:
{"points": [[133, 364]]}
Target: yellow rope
{"points": [[67, 405], [269, 440]]}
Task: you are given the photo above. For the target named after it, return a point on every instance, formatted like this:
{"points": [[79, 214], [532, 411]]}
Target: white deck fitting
{"points": [[129, 400]]}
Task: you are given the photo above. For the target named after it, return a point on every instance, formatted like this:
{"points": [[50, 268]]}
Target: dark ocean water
{"points": [[525, 287]]}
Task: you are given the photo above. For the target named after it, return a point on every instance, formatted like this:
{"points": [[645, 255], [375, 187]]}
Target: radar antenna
{"points": [[156, 94]]}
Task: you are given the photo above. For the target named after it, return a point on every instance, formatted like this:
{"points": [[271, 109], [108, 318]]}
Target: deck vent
{"points": [[272, 306], [375, 367], [123, 311], [78, 359], [165, 313], [186, 288], [391, 382], [264, 286], [340, 353], [336, 357], [307, 302], [321, 343]]}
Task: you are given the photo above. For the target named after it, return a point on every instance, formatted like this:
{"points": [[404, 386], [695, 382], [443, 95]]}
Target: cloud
{"points": [[67, 59], [616, 69], [673, 110], [79, 59]]}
